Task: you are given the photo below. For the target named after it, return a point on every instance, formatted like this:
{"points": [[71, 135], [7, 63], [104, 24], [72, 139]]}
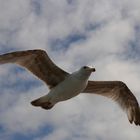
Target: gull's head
{"points": [[88, 69], [84, 72]]}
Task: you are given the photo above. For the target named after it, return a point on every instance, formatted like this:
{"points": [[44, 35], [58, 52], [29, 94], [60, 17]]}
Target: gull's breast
{"points": [[67, 89]]}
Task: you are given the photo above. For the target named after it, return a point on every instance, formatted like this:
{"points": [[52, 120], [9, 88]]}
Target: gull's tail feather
{"points": [[41, 103], [36, 102]]}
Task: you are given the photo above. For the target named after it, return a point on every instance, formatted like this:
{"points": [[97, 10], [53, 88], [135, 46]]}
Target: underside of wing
{"points": [[37, 62], [119, 92]]}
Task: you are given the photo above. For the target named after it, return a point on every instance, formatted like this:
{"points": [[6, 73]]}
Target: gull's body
{"points": [[64, 86], [70, 87]]}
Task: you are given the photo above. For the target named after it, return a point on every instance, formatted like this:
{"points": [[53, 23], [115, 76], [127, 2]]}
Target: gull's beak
{"points": [[92, 69]]}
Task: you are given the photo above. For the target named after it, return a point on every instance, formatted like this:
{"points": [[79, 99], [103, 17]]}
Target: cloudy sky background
{"points": [[102, 33]]}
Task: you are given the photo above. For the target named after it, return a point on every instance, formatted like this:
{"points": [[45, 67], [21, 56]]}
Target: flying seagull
{"points": [[64, 86]]}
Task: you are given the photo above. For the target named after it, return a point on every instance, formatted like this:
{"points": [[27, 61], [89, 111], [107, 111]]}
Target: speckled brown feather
{"points": [[38, 62], [119, 92]]}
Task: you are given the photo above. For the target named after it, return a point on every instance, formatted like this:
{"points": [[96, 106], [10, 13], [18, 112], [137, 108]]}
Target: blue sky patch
{"points": [[36, 6], [20, 84], [70, 1], [133, 49], [64, 44], [42, 132]]}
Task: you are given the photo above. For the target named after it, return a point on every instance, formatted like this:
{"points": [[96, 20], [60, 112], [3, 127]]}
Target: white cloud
{"points": [[108, 27]]}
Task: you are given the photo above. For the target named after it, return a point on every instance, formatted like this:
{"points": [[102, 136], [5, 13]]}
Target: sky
{"points": [[101, 33]]}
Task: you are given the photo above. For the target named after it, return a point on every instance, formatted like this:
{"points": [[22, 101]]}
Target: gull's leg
{"points": [[47, 105], [43, 102]]}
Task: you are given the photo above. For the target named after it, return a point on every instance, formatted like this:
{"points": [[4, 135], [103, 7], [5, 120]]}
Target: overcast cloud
{"points": [[102, 33]]}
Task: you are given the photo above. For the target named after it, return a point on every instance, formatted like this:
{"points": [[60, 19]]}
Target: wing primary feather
{"points": [[37, 62], [119, 92]]}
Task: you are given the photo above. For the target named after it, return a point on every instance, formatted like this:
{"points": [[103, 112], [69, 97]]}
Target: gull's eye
{"points": [[85, 67]]}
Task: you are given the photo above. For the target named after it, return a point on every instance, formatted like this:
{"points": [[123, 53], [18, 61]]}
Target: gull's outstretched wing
{"points": [[120, 93], [39, 63]]}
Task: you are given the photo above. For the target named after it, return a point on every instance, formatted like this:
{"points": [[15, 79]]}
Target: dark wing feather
{"points": [[120, 93], [39, 63]]}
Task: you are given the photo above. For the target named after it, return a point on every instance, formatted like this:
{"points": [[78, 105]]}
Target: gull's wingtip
{"points": [[134, 116]]}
